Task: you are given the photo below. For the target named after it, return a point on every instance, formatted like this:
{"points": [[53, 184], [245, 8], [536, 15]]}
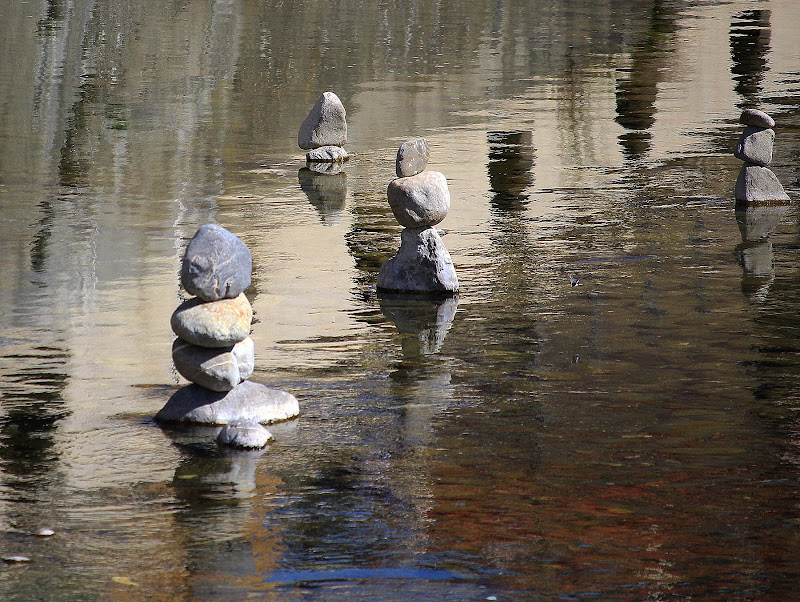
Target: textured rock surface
{"points": [[757, 184], [755, 146], [219, 369], [756, 118], [216, 264], [412, 157], [419, 201], [213, 323], [422, 264], [247, 401], [325, 125], [244, 434], [327, 154]]}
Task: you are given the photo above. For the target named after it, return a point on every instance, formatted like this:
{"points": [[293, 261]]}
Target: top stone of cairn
{"points": [[412, 157], [216, 264], [756, 118], [325, 125]]}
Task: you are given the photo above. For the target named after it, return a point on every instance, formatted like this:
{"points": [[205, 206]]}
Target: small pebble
{"points": [[45, 533], [12, 559]]}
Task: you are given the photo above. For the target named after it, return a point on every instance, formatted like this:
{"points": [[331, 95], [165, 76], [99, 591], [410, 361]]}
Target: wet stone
{"points": [[220, 323], [244, 434], [755, 146], [756, 118], [412, 157], [218, 369], [327, 154], [216, 264], [757, 184], [422, 264], [325, 124], [419, 201], [247, 401]]}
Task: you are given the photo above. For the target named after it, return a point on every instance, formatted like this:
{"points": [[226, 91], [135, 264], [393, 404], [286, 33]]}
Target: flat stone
{"points": [[756, 118], [412, 157], [419, 201], [216, 264], [325, 125], [218, 369], [755, 146], [220, 323], [244, 434], [247, 401], [757, 184], [422, 264], [327, 154]]}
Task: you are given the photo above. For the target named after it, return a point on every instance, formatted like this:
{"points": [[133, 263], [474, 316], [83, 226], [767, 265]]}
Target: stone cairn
{"points": [[756, 182], [324, 133], [419, 200], [214, 349]]}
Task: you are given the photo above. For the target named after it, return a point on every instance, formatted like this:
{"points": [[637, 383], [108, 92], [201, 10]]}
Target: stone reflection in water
{"points": [[327, 192], [423, 322], [750, 44], [756, 224], [511, 159]]}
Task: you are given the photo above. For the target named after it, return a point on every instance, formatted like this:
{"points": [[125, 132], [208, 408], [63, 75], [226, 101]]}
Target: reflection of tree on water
{"points": [[511, 159], [750, 45]]}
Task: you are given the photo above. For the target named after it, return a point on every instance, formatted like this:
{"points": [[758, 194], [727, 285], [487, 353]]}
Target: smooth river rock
{"points": [[325, 125], [757, 184], [216, 264], [327, 154], [419, 201], [755, 146], [247, 401], [220, 323], [219, 369], [244, 434], [756, 118], [422, 264], [412, 157]]}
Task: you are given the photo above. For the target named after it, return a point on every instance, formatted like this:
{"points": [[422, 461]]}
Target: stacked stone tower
{"points": [[324, 133], [756, 182]]}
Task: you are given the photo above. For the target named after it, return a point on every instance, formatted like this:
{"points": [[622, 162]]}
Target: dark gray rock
{"points": [[325, 125], [247, 401], [327, 154], [419, 201], [219, 369], [412, 157], [755, 146], [757, 184], [216, 264], [244, 434], [756, 118], [422, 264], [220, 323]]}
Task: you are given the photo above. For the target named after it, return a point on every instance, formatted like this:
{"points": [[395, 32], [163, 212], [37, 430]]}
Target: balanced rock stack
{"points": [[756, 182], [323, 133], [419, 200], [214, 349]]}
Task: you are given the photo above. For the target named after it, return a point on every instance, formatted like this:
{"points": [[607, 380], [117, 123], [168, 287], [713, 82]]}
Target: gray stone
{"points": [[422, 264], [412, 157], [220, 323], [244, 434], [755, 146], [419, 201], [327, 154], [757, 184], [219, 369], [756, 118], [325, 168], [216, 264], [325, 125], [247, 401]]}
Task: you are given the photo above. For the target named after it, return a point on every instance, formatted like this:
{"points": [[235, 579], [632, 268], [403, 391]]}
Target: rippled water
{"points": [[632, 436]]}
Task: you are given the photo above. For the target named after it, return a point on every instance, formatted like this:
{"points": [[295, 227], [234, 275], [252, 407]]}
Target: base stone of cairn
{"points": [[244, 434], [757, 183], [324, 131], [419, 200], [213, 348]]}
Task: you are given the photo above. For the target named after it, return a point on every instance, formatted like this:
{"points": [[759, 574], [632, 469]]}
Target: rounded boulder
{"points": [[220, 323], [216, 264], [419, 201]]}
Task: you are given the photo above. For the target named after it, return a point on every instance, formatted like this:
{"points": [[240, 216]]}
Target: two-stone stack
{"points": [[756, 182], [419, 200], [324, 133], [214, 349]]}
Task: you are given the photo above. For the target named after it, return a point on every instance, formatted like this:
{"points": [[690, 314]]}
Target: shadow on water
{"points": [[750, 35], [327, 193], [754, 253], [421, 321]]}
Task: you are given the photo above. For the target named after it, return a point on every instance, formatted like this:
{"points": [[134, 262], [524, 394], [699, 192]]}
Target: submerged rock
{"points": [[327, 154], [757, 184], [244, 434], [419, 201], [247, 401], [214, 323], [422, 264], [756, 118], [325, 125], [412, 157], [218, 369], [216, 264], [755, 146]]}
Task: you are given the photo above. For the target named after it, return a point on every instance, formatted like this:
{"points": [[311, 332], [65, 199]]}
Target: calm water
{"points": [[634, 436]]}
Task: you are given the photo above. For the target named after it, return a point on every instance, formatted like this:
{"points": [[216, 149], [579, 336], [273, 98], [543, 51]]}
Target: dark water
{"points": [[633, 436]]}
